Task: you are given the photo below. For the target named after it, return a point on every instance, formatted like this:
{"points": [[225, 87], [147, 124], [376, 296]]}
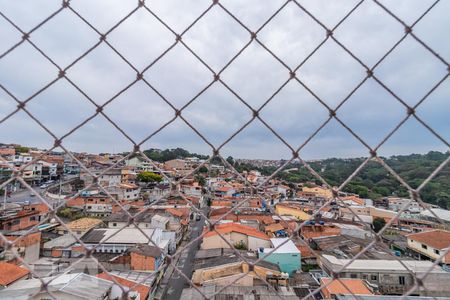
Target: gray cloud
{"points": [[410, 71]]}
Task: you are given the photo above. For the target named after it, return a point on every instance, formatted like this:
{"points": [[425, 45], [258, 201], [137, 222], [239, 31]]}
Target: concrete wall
{"points": [[215, 241], [417, 246], [255, 243], [244, 281]]}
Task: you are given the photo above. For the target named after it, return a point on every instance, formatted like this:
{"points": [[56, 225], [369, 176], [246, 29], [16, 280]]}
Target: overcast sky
{"points": [[410, 71]]}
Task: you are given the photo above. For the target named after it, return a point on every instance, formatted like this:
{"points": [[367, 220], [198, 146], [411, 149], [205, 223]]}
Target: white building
{"points": [[112, 177], [115, 241]]}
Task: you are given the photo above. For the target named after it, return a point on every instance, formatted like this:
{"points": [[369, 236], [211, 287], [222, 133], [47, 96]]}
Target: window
{"points": [[436, 251], [353, 276], [401, 280], [114, 224], [373, 277], [424, 246]]}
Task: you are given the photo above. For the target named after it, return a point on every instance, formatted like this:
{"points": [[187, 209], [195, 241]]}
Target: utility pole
{"points": [[60, 188], [5, 191]]}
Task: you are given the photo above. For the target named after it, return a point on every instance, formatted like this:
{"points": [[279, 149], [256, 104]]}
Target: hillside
{"points": [[374, 181], [168, 154]]}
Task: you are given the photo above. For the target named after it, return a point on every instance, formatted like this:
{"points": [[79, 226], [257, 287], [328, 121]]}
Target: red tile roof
{"points": [[349, 286], [438, 239], [10, 273], [175, 212], [236, 227], [143, 290]]}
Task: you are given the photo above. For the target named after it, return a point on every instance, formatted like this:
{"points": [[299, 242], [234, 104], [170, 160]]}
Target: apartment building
{"points": [[390, 276]]}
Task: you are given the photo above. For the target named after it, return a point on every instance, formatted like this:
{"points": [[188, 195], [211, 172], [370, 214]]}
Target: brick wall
{"points": [[141, 262]]}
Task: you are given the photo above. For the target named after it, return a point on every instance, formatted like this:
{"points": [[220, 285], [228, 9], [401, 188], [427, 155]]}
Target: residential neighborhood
{"points": [[120, 227]]}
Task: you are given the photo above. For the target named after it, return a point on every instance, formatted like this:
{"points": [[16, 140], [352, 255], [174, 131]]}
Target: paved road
{"points": [[186, 263], [25, 196], [22, 196]]}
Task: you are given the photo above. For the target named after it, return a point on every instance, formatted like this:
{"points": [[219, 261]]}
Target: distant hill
{"points": [[168, 154], [374, 181]]}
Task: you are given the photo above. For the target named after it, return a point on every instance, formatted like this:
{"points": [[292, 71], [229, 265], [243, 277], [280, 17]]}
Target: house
{"points": [[391, 276], [111, 177], [284, 253], [143, 285], [283, 209], [222, 266], [366, 213], [193, 189], [18, 219], [26, 245], [124, 191], [10, 273], [310, 230], [343, 286], [237, 235], [224, 191], [71, 168], [171, 228], [114, 241], [240, 292], [345, 246], [430, 244], [93, 203], [275, 229], [177, 164], [59, 247], [145, 258], [396, 204], [120, 219], [78, 286], [139, 164], [319, 191], [7, 151], [158, 221], [80, 226]]}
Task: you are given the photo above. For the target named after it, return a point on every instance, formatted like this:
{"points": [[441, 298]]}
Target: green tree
{"points": [[378, 224], [203, 169], [149, 177], [200, 179], [22, 149], [230, 160]]}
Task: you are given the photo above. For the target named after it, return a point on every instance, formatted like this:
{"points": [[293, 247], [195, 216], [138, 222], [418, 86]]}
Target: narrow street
{"points": [[177, 283]]}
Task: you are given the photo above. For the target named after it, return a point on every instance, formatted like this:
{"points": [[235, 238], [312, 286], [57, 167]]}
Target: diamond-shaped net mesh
{"points": [[174, 40]]}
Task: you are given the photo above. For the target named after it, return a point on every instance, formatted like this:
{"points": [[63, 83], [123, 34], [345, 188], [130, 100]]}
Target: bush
{"points": [[149, 177], [240, 246], [378, 224]]}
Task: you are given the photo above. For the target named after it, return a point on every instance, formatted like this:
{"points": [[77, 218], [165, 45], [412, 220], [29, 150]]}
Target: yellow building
{"points": [[319, 191], [287, 210]]}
